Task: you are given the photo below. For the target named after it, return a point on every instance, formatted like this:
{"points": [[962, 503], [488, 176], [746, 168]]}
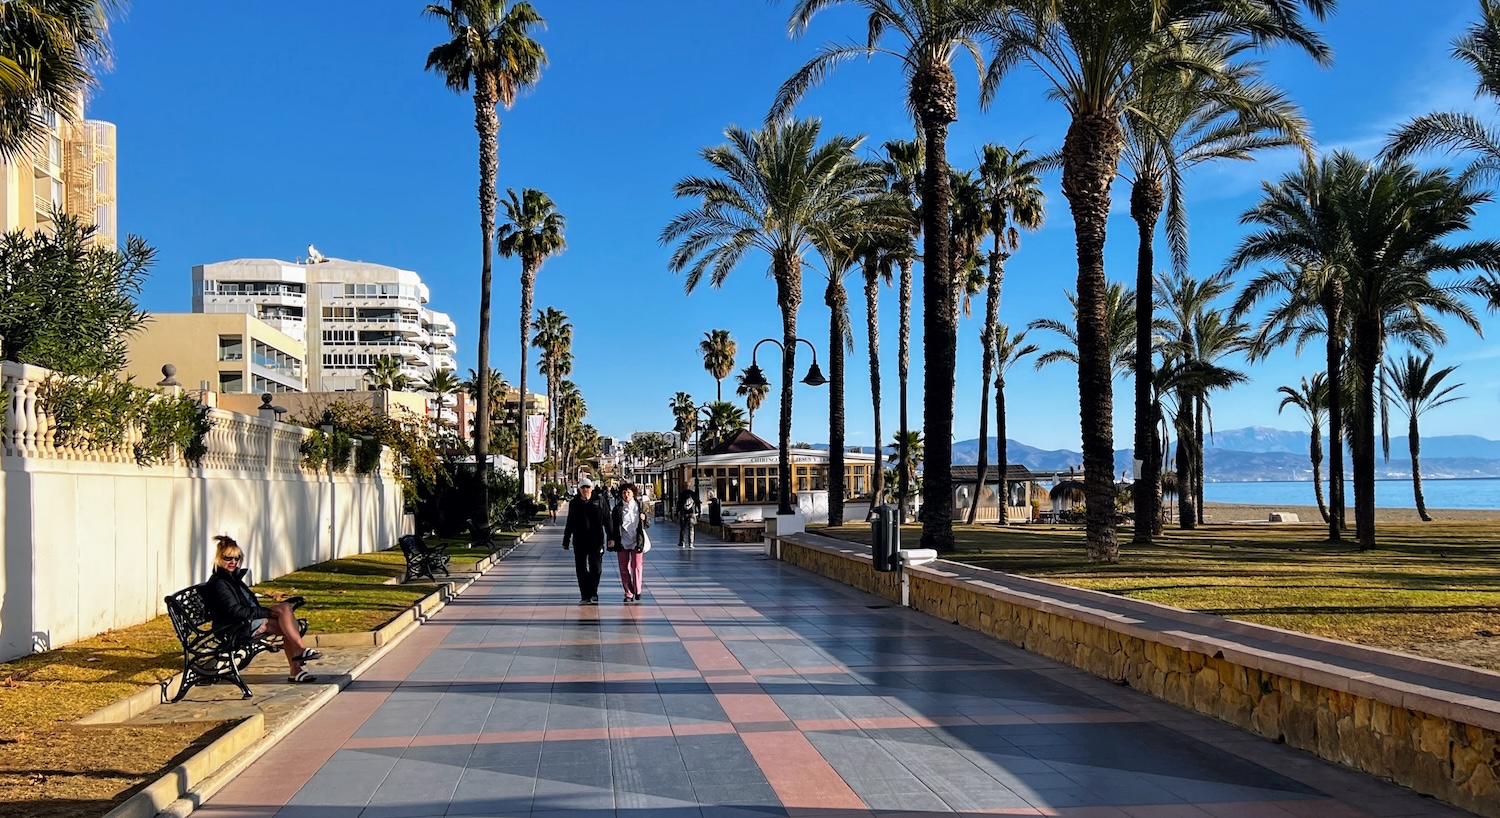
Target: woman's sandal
{"points": [[302, 677], [309, 655]]}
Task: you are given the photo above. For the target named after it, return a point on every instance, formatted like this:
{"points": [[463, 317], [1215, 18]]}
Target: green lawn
{"points": [[1427, 582]]}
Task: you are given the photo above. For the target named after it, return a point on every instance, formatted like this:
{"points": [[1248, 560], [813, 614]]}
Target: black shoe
{"points": [[584, 601]]}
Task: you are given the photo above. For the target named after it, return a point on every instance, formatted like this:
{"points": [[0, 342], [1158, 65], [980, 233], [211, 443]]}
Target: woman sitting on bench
{"points": [[230, 600]]}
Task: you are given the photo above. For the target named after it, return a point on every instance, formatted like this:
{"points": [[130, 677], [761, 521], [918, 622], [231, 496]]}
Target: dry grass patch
{"points": [[1428, 584]]}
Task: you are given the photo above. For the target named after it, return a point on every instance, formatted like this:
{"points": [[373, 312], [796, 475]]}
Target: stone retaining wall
{"points": [[1437, 744]]}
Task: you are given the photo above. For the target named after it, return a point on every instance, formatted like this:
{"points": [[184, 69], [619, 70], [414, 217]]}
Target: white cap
{"points": [[585, 483]]}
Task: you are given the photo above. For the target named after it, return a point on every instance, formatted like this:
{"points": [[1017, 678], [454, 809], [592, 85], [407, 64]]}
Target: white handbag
{"points": [[643, 542]]}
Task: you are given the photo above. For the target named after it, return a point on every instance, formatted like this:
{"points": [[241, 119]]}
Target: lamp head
{"points": [[814, 376], [754, 377]]}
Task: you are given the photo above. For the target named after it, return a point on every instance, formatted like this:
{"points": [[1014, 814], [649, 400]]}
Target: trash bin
{"points": [[885, 530], [715, 511]]}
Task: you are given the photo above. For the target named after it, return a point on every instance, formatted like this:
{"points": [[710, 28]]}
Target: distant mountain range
{"points": [[1260, 453]]}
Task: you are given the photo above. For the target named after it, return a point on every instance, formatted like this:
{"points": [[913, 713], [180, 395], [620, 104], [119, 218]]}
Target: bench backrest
{"points": [[189, 613], [410, 544]]}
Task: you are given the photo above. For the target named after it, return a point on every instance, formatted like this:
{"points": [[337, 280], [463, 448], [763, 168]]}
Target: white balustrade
{"points": [[235, 442]]}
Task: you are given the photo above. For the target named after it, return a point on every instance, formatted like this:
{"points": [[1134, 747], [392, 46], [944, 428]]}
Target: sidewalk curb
{"points": [[163, 792], [191, 794]]}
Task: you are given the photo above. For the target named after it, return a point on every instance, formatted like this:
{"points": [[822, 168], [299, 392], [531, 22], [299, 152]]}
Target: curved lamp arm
{"points": [[755, 377]]}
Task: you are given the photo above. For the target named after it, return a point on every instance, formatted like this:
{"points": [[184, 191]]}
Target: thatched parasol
{"points": [[1070, 490]]}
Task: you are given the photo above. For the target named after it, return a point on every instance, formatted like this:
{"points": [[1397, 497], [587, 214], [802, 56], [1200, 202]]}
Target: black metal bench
{"points": [[209, 654], [421, 559]]}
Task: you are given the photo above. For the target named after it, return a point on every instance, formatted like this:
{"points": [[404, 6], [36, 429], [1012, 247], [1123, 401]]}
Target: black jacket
{"points": [[229, 600], [617, 519], [588, 525]]}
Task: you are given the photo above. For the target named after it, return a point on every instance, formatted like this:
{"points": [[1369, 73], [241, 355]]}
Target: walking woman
{"points": [[230, 600], [628, 539]]}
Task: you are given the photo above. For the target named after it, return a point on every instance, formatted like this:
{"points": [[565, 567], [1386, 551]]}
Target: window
{"points": [[231, 383], [338, 336], [338, 313], [231, 348]]}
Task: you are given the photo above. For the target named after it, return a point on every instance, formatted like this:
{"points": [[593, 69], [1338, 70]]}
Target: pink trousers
{"points": [[632, 563]]}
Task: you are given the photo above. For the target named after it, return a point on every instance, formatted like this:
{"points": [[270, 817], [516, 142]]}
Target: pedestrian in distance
{"points": [[552, 504], [687, 516], [629, 541], [230, 600], [588, 529]]}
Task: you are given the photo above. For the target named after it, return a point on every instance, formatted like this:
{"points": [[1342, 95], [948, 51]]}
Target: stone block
{"points": [[1284, 517]]}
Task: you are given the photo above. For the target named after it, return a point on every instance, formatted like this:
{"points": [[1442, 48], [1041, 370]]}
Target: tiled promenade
{"points": [[744, 687]]}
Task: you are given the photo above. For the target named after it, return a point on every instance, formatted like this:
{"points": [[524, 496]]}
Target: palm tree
{"points": [[441, 383], [724, 419], [1007, 351], [1456, 132], [571, 410], [902, 166], [553, 335], [48, 53], [852, 230], [1100, 56], [1186, 121], [1312, 398], [915, 449], [931, 34], [1302, 229], [754, 395], [718, 350], [1378, 233], [385, 373], [880, 253], [498, 389], [778, 190], [685, 413], [1419, 392], [533, 230], [1199, 334], [1012, 194], [492, 50], [1119, 312]]}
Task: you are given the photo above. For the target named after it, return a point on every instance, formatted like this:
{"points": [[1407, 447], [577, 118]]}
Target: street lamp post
{"points": [[754, 377]]}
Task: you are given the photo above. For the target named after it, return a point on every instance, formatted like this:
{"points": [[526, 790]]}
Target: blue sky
{"points": [[253, 129]]}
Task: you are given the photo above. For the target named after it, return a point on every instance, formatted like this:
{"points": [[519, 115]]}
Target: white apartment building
{"points": [[348, 313], [73, 171]]}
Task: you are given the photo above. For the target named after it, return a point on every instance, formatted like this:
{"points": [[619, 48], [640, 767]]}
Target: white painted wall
{"points": [[95, 544]]}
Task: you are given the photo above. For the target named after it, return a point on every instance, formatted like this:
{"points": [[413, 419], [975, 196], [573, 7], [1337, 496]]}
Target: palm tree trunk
{"points": [[1366, 358], [1198, 453], [487, 123], [1146, 201], [1315, 451], [872, 331], [1091, 154], [1004, 497], [987, 368], [1187, 514], [528, 283], [936, 96], [903, 366], [837, 300], [1332, 302], [1414, 442], [789, 296]]}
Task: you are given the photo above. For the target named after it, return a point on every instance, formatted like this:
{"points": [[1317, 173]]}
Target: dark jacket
{"points": [[229, 600], [617, 519], [588, 525]]}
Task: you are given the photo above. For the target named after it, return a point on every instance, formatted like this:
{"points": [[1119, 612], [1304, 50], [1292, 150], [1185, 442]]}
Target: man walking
{"points": [[687, 516], [588, 528]]}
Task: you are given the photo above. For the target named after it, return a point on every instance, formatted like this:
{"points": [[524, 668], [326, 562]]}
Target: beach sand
{"points": [[1237, 513]]}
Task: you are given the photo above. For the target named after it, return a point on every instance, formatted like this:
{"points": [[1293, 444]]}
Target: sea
{"points": [[1395, 493]]}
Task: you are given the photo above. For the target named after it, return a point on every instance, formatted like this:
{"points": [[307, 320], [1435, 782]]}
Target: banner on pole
{"points": [[536, 437]]}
